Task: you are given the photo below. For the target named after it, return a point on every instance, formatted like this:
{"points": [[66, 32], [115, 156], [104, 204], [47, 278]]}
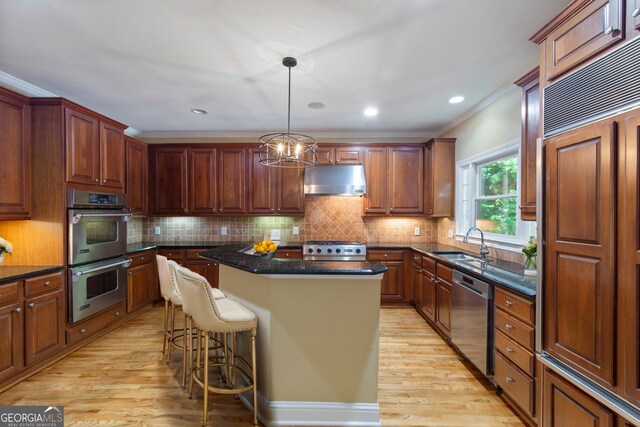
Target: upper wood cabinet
{"points": [[202, 181], [440, 177], [136, 175], [326, 155], [348, 155], [168, 180], [94, 150], [582, 31], [231, 180], [393, 177], [15, 146], [290, 191], [530, 85]]}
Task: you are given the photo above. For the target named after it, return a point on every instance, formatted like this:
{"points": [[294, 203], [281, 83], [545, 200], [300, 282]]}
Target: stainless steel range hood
{"points": [[335, 180]]}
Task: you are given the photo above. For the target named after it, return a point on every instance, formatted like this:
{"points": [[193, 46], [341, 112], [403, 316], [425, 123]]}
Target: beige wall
{"points": [[495, 125]]}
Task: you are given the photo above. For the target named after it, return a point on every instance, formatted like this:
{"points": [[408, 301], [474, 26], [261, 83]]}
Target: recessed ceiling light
{"points": [[370, 112], [316, 105], [198, 111], [456, 99]]}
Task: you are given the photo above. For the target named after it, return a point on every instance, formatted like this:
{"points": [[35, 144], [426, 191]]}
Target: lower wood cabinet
{"points": [[12, 331], [96, 323], [44, 326], [443, 299], [189, 258], [142, 282], [288, 253], [395, 289]]}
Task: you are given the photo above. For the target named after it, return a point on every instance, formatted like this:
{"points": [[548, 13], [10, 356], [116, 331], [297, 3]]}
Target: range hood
{"points": [[335, 180]]}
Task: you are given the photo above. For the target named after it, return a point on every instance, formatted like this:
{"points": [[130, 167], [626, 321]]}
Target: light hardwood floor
{"points": [[121, 380]]}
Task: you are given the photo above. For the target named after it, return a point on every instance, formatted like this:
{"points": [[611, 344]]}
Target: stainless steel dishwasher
{"points": [[472, 320]]}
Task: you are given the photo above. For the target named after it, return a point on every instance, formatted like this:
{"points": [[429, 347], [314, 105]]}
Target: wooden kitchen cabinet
{"points": [[416, 279], [15, 146], [429, 288], [348, 155], [376, 173], [112, 156], [142, 282], [189, 258], [290, 191], [288, 253], [396, 287], [44, 326], [168, 180], [530, 132], [231, 181], [202, 180], [96, 323], [11, 331], [439, 177], [325, 156], [444, 287], [136, 176]]}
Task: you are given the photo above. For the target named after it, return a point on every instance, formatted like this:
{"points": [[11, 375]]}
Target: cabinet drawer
{"points": [[9, 292], [515, 383], [515, 306], [193, 253], [38, 285], [377, 255], [515, 329], [417, 259], [96, 323], [429, 264], [141, 258], [444, 272], [289, 253], [518, 355], [176, 255]]}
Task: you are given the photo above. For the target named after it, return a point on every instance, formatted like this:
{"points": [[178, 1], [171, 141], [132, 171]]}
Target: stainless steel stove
{"points": [[334, 251]]}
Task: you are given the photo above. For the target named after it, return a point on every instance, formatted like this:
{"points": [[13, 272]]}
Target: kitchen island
{"points": [[318, 331]]}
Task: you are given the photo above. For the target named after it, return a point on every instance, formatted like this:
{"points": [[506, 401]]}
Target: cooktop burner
{"points": [[334, 251], [331, 242]]}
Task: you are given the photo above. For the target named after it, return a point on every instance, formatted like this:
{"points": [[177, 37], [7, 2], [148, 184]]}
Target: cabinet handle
{"points": [[609, 31], [208, 265], [117, 314], [31, 305], [104, 180], [96, 180], [509, 350], [82, 331], [510, 379], [47, 283], [18, 310], [141, 258], [385, 255], [509, 303], [508, 326], [636, 13]]}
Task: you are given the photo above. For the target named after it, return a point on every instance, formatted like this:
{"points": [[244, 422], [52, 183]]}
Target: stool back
{"points": [[198, 300], [168, 282]]}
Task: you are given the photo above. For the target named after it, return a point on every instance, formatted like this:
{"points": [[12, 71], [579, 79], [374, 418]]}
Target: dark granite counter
{"points": [[144, 246], [503, 273], [230, 255], [10, 273]]}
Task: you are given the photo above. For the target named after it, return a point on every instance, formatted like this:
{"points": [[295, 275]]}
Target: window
{"points": [[488, 197]]}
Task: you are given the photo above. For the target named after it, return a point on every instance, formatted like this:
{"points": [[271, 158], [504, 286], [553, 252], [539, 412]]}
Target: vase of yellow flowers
{"points": [[5, 248], [530, 257]]}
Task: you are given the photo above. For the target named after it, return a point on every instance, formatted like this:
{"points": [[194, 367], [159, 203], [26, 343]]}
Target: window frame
{"points": [[467, 193]]}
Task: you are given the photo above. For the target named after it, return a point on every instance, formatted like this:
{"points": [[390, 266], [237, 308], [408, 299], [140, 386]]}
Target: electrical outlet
{"points": [[156, 230], [275, 234], [450, 233], [296, 231], [416, 231], [223, 231]]}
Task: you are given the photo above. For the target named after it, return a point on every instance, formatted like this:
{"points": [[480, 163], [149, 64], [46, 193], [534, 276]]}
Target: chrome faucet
{"points": [[484, 249]]}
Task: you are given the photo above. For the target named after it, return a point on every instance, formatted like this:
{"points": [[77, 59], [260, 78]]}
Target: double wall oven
{"points": [[97, 231]]}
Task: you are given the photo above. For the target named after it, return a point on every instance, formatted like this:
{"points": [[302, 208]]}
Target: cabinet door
{"points": [[564, 405], [261, 185], [580, 249], [443, 298], [203, 268], [111, 156], [202, 181], [15, 143], [529, 135], [629, 259], [136, 182], [592, 30], [429, 294], [348, 156], [44, 326], [416, 280], [375, 170], [406, 168], [325, 155], [392, 286], [290, 191], [11, 340], [440, 176], [141, 286], [428, 179], [231, 185], [168, 180], [82, 148]]}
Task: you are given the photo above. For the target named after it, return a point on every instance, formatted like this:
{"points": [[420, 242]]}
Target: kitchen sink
{"points": [[459, 256]]}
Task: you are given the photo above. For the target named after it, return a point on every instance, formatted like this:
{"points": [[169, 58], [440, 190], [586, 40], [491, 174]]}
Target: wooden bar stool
{"points": [[173, 300], [218, 316]]}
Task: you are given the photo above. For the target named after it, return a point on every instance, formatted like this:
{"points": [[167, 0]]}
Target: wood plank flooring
{"points": [[121, 380]]}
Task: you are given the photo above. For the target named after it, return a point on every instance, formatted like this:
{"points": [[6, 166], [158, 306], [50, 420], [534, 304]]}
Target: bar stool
{"points": [[212, 316], [172, 300]]}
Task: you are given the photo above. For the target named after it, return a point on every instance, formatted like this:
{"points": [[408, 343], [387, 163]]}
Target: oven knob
{"points": [[329, 250], [338, 251], [358, 251], [310, 250], [318, 250]]}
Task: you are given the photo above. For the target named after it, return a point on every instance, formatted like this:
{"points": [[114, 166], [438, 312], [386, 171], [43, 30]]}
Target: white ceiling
{"points": [[146, 63]]}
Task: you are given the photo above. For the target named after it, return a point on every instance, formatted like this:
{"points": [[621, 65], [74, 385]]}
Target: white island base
{"points": [[317, 346]]}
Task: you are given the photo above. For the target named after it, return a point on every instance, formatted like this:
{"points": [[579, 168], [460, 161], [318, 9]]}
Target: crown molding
{"points": [[505, 90], [132, 132], [10, 82]]}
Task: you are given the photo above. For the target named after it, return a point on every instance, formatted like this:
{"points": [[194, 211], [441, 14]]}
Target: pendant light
{"points": [[288, 150]]}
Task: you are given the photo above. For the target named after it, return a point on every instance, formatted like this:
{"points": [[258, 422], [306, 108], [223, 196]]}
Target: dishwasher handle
{"points": [[483, 289]]}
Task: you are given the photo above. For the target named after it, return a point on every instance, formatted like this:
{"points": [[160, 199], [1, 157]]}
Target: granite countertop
{"points": [[144, 246], [230, 255], [503, 273], [10, 273]]}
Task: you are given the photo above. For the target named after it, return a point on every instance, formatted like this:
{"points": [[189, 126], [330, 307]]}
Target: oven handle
{"points": [[104, 267], [77, 217]]}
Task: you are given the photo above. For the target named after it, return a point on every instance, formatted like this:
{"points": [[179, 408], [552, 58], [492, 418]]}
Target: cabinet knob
{"points": [[96, 180], [104, 180], [508, 326], [47, 283], [18, 310], [82, 331], [208, 265], [609, 31], [636, 13], [286, 254], [385, 255], [117, 314], [509, 303], [31, 305], [510, 379], [141, 258], [509, 350]]}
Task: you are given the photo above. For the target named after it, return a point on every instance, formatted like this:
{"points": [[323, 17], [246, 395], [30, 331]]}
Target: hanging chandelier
{"points": [[288, 150]]}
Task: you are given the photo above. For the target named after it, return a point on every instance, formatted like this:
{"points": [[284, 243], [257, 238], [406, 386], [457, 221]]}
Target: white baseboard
{"points": [[282, 413]]}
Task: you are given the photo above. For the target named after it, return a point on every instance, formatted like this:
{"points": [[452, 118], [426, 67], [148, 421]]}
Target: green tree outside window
{"points": [[496, 203]]}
